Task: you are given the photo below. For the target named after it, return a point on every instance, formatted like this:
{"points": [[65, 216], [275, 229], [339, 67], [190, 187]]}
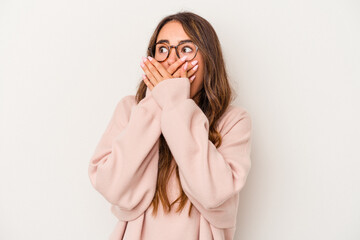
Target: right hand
{"points": [[175, 68]]}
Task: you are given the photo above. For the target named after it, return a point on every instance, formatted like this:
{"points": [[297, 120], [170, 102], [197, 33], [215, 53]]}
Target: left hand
{"points": [[155, 72]]}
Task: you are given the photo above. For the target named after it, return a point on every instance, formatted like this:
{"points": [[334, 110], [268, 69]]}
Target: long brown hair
{"points": [[214, 98]]}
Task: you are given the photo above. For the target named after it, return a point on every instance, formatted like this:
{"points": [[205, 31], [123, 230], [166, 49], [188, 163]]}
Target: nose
{"points": [[172, 56]]}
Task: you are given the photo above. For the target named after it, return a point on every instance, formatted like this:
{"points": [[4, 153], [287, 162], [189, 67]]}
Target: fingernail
{"points": [[143, 76], [194, 62], [185, 66], [150, 58], [183, 58], [144, 59], [196, 67], [142, 64], [192, 78]]}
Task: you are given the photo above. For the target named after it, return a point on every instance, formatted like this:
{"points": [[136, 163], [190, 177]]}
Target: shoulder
{"points": [[123, 109], [126, 102], [234, 115]]}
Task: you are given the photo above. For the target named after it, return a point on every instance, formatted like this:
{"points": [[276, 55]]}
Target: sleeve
{"points": [[124, 165], [211, 177]]}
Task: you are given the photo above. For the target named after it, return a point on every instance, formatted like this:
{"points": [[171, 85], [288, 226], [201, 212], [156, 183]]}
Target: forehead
{"points": [[172, 31]]}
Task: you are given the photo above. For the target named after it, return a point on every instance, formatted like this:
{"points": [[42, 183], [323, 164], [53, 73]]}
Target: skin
{"points": [[173, 67]]}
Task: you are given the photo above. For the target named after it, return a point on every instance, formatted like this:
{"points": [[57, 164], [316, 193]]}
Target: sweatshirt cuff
{"points": [[169, 92]]}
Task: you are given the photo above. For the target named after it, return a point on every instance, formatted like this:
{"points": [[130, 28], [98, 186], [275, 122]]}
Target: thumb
{"points": [[183, 72]]}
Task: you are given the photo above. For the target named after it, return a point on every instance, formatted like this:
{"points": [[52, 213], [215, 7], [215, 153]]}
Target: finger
{"points": [[191, 72], [173, 67], [177, 74], [192, 78], [183, 72], [149, 75], [147, 82], [152, 69], [160, 68], [193, 63]]}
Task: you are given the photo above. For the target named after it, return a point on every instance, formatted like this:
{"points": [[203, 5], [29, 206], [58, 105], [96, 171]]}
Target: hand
{"points": [[155, 72], [175, 71]]}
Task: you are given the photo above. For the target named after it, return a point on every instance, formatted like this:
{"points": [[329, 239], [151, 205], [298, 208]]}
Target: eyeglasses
{"points": [[161, 50]]}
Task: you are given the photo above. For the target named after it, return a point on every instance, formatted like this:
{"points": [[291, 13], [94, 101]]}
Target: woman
{"points": [[174, 158]]}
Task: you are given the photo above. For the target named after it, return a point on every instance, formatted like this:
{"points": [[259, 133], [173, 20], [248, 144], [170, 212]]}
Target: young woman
{"points": [[175, 156]]}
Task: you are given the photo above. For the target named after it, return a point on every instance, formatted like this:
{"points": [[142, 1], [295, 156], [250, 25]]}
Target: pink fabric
{"points": [[123, 168]]}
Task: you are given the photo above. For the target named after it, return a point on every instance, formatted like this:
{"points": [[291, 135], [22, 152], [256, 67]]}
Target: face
{"points": [[174, 33]]}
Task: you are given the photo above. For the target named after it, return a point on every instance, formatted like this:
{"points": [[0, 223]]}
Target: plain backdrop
{"points": [[295, 66]]}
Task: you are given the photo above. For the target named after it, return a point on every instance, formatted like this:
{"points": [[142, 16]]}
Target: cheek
{"points": [[200, 72]]}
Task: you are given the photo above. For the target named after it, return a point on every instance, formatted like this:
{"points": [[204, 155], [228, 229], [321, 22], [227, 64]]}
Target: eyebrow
{"points": [[167, 41]]}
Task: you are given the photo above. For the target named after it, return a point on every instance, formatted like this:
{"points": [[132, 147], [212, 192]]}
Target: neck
{"points": [[196, 98]]}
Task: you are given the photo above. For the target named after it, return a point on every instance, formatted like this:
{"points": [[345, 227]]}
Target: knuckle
{"points": [[151, 67]]}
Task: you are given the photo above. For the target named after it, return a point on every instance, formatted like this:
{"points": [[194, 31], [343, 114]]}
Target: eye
{"points": [[162, 49], [186, 49]]}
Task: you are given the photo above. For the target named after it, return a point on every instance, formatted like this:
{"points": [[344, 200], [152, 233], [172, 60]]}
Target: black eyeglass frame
{"points": [[169, 47]]}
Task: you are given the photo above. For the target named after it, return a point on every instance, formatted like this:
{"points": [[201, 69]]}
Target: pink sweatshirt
{"points": [[123, 168]]}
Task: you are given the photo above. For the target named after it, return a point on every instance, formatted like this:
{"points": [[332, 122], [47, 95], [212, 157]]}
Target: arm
{"points": [[124, 165], [211, 177]]}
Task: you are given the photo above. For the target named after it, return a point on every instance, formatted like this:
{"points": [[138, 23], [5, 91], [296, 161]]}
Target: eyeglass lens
{"points": [[185, 49]]}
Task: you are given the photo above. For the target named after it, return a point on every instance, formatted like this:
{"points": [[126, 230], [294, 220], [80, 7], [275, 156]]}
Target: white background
{"points": [[294, 64]]}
